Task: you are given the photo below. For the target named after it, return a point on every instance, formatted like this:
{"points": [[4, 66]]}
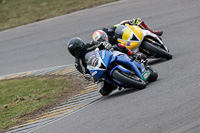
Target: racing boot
{"points": [[102, 90], [159, 33], [105, 88]]}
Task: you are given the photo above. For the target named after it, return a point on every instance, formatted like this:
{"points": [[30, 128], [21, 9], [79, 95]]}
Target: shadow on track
{"points": [[156, 61], [118, 93]]}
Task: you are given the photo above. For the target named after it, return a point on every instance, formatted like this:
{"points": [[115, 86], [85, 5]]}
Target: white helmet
{"points": [[100, 36]]}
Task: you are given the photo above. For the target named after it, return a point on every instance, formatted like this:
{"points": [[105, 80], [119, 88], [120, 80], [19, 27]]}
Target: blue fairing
{"points": [[134, 65], [97, 74], [103, 63], [105, 56]]}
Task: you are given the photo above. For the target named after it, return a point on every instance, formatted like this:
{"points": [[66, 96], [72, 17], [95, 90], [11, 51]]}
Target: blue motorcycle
{"points": [[118, 69]]}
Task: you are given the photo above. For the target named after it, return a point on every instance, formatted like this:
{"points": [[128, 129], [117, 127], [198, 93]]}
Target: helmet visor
{"points": [[103, 38], [100, 36]]}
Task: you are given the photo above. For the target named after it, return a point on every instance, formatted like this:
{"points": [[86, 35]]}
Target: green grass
{"points": [[21, 97], [14, 13]]}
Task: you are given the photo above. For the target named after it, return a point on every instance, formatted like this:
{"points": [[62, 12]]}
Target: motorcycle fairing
{"points": [[102, 59], [119, 57], [148, 33], [145, 73], [105, 56], [130, 63]]}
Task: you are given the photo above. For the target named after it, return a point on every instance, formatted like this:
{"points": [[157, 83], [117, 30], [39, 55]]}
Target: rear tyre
{"points": [[130, 81], [154, 75], [157, 50]]}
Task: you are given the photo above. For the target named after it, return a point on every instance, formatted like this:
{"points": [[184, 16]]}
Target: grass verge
{"points": [[25, 98], [14, 13]]}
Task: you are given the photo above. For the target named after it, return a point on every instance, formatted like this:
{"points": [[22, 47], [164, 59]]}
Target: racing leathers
{"points": [[104, 87]]}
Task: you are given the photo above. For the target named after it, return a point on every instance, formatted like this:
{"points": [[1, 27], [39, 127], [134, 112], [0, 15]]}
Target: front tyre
{"points": [[160, 52], [130, 81]]}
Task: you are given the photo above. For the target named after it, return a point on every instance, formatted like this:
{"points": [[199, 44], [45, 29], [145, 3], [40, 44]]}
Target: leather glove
{"points": [[136, 21], [140, 56], [107, 45]]}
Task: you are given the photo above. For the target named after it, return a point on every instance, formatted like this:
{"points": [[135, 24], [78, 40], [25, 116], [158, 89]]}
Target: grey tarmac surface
{"points": [[169, 105]]}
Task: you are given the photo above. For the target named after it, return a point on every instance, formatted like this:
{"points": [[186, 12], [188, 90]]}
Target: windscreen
{"points": [[92, 58]]}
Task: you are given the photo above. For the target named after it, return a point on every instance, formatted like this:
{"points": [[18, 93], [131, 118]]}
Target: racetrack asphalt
{"points": [[169, 105]]}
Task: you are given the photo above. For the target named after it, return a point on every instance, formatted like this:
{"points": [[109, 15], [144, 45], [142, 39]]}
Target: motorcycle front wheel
{"points": [[156, 50], [130, 81]]}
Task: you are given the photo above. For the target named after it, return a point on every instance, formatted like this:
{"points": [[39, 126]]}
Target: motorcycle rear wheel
{"points": [[154, 75], [157, 50], [127, 80]]}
